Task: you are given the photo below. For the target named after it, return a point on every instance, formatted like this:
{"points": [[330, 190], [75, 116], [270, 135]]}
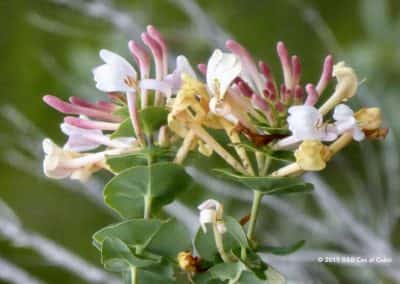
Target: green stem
{"points": [[257, 197], [134, 275], [147, 197], [219, 243]]}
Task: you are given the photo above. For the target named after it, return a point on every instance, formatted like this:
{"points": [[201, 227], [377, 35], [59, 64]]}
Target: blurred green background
{"points": [[50, 47]]}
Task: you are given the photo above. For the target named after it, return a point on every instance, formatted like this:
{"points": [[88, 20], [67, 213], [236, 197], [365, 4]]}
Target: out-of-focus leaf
{"points": [[135, 232], [268, 184], [282, 250], [117, 256], [152, 118]]}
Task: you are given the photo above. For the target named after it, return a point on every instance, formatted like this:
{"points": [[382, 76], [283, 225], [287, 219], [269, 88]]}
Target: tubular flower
{"points": [[59, 163], [312, 155], [212, 212]]}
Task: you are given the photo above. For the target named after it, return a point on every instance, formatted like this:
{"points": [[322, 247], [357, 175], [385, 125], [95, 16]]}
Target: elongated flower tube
{"points": [[59, 163]]}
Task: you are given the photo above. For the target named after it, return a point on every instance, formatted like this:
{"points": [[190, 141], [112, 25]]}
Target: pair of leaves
{"points": [[151, 119], [269, 184], [153, 235], [127, 192], [142, 243]]}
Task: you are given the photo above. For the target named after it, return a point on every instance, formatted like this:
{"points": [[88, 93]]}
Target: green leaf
{"points": [[274, 277], [236, 230], [226, 271], [254, 263], [265, 184], [152, 118], [135, 233], [171, 239], [293, 189], [159, 184], [205, 244], [122, 162], [283, 250], [139, 158], [248, 277], [116, 256], [125, 129], [150, 277], [122, 112]]}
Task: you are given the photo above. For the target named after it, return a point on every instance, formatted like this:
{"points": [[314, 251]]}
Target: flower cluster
{"points": [[275, 132]]}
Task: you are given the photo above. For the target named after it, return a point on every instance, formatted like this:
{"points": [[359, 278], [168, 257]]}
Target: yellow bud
{"points": [[369, 118], [312, 155]]}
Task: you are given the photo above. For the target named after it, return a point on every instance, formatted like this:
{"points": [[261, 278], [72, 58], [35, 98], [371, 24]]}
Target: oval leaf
{"points": [[161, 183]]}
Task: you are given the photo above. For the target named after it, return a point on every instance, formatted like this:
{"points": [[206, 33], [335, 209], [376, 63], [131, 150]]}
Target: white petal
{"points": [[209, 204], [303, 122], [112, 58], [342, 112], [222, 69], [358, 134], [110, 77], [207, 216], [152, 84]]}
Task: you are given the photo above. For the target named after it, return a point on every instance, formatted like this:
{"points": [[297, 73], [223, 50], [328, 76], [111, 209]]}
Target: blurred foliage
{"points": [[51, 46]]}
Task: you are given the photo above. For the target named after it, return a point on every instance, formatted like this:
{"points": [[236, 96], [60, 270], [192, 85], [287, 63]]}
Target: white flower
{"points": [[211, 211], [306, 123], [182, 67], [222, 69], [59, 163], [116, 75], [346, 122]]}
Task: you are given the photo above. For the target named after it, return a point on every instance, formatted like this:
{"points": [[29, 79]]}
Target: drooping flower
{"points": [[345, 121], [212, 212], [312, 155], [59, 163]]}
